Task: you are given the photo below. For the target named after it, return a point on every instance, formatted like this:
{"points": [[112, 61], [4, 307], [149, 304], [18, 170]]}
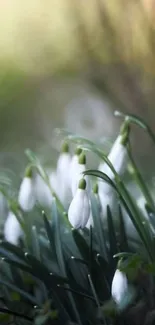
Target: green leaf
{"points": [[122, 232], [112, 238], [98, 225], [24, 294]]}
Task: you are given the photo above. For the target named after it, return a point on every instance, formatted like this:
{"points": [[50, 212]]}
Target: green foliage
{"points": [[60, 275]]}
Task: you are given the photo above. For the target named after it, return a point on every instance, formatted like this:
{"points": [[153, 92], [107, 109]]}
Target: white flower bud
{"points": [[79, 210], [118, 158], [12, 229], [119, 286], [60, 179], [63, 164], [26, 196]]}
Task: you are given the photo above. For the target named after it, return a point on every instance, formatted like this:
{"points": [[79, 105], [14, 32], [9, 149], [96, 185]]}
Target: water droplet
{"points": [[72, 257]]}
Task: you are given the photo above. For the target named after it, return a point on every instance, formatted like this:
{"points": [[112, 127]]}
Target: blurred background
{"points": [[71, 63]]}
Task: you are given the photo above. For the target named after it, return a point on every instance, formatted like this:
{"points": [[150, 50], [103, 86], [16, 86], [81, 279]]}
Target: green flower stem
{"points": [[138, 121], [134, 216], [139, 179]]}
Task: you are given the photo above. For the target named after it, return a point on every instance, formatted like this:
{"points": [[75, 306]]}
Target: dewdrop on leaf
{"points": [[119, 286], [79, 209], [26, 196], [12, 229]]}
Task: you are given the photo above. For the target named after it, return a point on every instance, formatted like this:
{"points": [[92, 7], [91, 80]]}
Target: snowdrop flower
{"points": [[119, 286], [118, 158], [12, 229], [74, 163], [42, 192], [79, 209], [60, 180], [90, 221], [96, 197], [80, 168], [26, 196], [63, 164]]}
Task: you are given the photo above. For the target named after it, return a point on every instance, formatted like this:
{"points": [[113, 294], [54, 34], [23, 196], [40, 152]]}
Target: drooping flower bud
{"points": [[63, 163], [79, 210], [60, 179], [80, 168], [119, 286], [12, 229], [26, 196], [118, 157]]}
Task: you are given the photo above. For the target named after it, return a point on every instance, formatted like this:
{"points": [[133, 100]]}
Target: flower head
{"points": [[26, 196], [60, 179], [79, 210], [119, 286], [12, 229], [118, 157]]}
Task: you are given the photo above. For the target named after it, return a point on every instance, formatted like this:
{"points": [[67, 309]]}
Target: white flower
{"points": [[119, 286], [26, 196], [12, 229], [118, 158], [60, 179], [79, 210], [63, 164], [74, 163], [90, 221], [42, 192]]}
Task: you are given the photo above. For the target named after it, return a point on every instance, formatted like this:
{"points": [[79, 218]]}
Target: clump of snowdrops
{"points": [[78, 245]]}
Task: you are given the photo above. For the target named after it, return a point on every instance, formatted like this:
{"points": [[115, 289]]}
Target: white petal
{"points": [[42, 192], [119, 286], [79, 210], [73, 166], [12, 229], [63, 167], [26, 196], [90, 221], [118, 158]]}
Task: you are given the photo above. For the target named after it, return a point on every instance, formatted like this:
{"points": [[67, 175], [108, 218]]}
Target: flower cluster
{"points": [[71, 186]]}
